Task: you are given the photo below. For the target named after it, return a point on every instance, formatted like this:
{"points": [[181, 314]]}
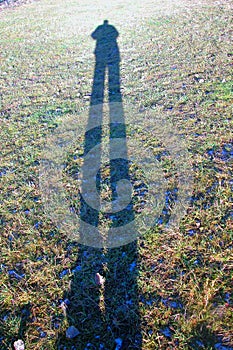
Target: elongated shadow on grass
{"points": [[105, 313]]}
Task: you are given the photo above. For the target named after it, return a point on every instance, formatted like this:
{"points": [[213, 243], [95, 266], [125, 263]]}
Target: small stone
{"points": [[72, 332], [167, 332], [19, 345], [132, 266], [99, 279], [63, 307], [43, 334], [118, 342]]}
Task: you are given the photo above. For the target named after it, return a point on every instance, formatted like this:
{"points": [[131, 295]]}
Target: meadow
{"points": [[167, 289]]}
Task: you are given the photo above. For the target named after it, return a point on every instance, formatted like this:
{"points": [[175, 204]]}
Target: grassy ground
{"points": [[167, 290]]}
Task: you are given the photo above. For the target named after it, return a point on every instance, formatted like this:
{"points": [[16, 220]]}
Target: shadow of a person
{"points": [[105, 313], [107, 56], [107, 61]]}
